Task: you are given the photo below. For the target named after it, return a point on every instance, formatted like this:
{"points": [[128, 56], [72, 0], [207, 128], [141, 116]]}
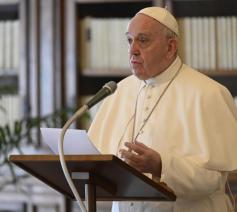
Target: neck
{"points": [[166, 66]]}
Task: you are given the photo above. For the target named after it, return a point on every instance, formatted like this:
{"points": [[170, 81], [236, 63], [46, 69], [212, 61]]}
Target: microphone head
{"points": [[111, 86], [107, 89]]}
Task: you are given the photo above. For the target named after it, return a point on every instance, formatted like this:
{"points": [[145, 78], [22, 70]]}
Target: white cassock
{"points": [[193, 127]]}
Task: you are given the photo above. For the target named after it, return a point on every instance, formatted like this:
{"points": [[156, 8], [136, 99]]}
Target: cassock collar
{"points": [[165, 75]]}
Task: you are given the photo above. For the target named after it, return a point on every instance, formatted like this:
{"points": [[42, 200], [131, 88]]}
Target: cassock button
{"points": [[147, 108], [131, 204]]}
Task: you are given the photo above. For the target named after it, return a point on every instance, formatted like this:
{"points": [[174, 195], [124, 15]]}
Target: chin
{"points": [[140, 73], [140, 77]]}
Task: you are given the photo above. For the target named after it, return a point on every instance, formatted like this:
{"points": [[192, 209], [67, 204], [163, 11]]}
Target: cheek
{"points": [[150, 59], [157, 55]]}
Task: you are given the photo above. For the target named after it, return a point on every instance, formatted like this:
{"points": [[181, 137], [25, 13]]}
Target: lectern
{"points": [[97, 177]]}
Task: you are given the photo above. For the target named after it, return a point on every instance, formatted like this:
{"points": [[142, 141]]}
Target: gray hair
{"points": [[170, 34]]}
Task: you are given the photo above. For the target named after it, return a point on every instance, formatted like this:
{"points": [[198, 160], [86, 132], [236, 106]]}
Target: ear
{"points": [[172, 48]]}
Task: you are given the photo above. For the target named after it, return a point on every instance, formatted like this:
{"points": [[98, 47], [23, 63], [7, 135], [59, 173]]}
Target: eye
{"points": [[129, 40], [143, 40]]}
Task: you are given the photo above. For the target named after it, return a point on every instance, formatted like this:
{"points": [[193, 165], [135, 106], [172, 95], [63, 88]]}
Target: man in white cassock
{"points": [[169, 121]]}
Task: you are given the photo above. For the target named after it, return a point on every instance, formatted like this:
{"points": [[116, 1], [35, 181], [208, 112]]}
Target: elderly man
{"points": [[169, 121]]}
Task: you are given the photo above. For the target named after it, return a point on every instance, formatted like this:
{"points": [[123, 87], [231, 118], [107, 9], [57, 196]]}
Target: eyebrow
{"points": [[140, 34]]}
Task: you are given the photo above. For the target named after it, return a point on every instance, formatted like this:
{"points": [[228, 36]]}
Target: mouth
{"points": [[135, 62]]}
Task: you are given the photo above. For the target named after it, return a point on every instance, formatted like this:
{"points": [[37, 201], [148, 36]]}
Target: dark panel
{"points": [[113, 9], [193, 8], [9, 12], [228, 81], [91, 85]]}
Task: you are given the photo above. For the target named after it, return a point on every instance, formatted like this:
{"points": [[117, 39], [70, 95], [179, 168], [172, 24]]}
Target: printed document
{"points": [[76, 142]]}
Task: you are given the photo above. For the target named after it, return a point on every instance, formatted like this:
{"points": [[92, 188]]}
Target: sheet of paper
{"points": [[76, 142]]}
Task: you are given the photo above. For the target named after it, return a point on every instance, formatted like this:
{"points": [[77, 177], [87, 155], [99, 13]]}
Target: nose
{"points": [[133, 48]]}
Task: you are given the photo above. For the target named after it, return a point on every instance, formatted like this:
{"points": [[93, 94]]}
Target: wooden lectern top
{"points": [[113, 178]]}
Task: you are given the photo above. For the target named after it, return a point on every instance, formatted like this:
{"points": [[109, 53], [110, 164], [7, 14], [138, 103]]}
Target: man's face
{"points": [[148, 47]]}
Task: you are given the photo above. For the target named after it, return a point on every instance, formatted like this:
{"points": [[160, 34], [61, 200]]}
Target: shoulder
{"points": [[130, 81], [199, 83], [128, 86], [127, 90]]}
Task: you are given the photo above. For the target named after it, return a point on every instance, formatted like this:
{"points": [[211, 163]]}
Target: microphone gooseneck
{"points": [[107, 89]]}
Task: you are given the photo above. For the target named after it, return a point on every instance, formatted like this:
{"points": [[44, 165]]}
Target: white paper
{"points": [[76, 142]]}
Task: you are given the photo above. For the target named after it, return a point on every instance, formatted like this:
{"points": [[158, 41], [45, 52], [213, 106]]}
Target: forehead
{"points": [[143, 24]]}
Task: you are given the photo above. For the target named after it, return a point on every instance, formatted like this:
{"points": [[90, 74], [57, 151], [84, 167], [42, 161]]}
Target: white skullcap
{"points": [[163, 16]]}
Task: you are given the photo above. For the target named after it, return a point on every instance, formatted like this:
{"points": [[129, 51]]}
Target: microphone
{"points": [[105, 91]]}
